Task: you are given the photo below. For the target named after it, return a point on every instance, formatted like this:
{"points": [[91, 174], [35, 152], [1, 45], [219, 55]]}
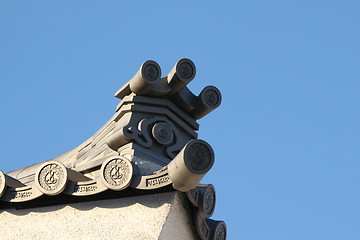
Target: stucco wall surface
{"points": [[158, 216]]}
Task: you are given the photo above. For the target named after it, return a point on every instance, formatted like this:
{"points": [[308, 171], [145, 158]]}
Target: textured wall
{"points": [[158, 216]]}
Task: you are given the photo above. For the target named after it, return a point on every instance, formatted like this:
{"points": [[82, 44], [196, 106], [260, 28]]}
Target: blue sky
{"points": [[286, 136]]}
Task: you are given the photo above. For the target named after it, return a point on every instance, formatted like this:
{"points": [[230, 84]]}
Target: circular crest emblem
{"points": [[163, 133], [186, 69], [208, 205], [116, 173], [2, 183], [211, 96], [151, 71], [193, 196], [199, 156], [220, 232], [51, 178]]}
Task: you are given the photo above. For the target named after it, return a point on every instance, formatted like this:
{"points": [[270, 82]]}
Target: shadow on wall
{"points": [[149, 201]]}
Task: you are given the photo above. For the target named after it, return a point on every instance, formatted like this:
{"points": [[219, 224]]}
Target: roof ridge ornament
{"points": [[150, 143], [148, 82]]}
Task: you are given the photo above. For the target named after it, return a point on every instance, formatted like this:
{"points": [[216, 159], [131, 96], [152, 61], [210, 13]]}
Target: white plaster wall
{"points": [[142, 217], [178, 222]]}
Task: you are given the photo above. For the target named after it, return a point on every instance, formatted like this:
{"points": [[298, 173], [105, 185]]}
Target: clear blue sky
{"points": [[287, 134]]}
